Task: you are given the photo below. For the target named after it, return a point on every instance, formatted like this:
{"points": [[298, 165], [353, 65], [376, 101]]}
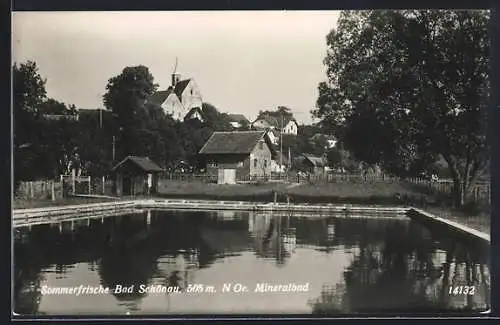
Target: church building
{"points": [[182, 99]]}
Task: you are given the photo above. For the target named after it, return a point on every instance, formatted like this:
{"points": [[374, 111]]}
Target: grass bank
{"points": [[227, 192], [350, 193]]}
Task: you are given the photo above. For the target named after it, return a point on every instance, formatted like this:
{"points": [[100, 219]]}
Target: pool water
{"points": [[174, 262]]}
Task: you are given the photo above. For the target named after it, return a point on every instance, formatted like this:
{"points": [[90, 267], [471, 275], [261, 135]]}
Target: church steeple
{"points": [[176, 77]]}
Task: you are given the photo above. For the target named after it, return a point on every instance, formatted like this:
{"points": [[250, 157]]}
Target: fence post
{"points": [[103, 185], [53, 190], [90, 186], [32, 194], [73, 181]]}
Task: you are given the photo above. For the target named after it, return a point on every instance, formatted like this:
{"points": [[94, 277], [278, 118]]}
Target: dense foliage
{"points": [[88, 140], [406, 88]]}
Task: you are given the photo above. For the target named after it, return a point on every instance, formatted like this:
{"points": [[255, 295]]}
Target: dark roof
{"points": [[315, 161], [288, 119], [272, 121], [159, 97], [192, 111], [236, 142], [237, 118], [143, 163], [180, 86]]}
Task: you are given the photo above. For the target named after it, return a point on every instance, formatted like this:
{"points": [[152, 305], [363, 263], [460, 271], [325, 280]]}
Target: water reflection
{"points": [[352, 265], [409, 275]]}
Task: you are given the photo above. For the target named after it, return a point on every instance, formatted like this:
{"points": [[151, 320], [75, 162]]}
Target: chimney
{"points": [[175, 79]]}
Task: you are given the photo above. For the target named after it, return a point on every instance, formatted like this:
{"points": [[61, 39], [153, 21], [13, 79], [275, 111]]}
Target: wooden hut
{"points": [[313, 164], [135, 176]]}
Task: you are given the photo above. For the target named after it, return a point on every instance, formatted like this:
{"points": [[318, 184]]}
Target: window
{"points": [[255, 163]]}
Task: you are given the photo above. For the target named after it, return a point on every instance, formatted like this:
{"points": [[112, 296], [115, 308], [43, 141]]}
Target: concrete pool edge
{"points": [[35, 216], [415, 212]]}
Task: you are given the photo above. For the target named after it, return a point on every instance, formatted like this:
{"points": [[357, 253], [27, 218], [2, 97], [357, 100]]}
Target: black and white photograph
{"points": [[322, 163]]}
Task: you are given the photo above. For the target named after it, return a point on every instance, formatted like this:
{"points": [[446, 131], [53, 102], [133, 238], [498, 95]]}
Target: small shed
{"points": [[135, 176], [314, 164]]}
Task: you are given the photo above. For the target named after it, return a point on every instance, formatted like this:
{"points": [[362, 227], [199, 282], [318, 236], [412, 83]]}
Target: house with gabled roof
{"points": [[287, 125], [182, 100], [265, 122], [238, 155], [135, 175], [311, 164]]}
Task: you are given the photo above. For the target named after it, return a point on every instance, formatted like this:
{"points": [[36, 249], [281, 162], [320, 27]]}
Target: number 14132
{"points": [[461, 290]]}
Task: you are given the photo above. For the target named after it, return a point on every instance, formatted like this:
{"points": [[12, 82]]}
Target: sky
{"points": [[242, 61]]}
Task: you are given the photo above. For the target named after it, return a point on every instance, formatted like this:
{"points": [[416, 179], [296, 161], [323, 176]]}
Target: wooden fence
{"points": [[64, 187], [39, 190], [87, 185], [480, 192], [290, 177], [101, 186]]}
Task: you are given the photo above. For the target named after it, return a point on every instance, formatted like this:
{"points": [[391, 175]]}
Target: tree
{"points": [[417, 83], [334, 157], [126, 96], [280, 113], [52, 106], [28, 95], [95, 142], [61, 142], [214, 119]]}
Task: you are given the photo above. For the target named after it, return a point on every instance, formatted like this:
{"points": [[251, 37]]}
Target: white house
{"points": [[290, 127], [287, 126]]}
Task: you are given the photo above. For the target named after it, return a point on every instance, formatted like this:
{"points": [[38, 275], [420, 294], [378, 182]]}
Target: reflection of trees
{"points": [[329, 232], [273, 237], [126, 250], [330, 301], [408, 272], [223, 235], [43, 247], [27, 277], [126, 266]]}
